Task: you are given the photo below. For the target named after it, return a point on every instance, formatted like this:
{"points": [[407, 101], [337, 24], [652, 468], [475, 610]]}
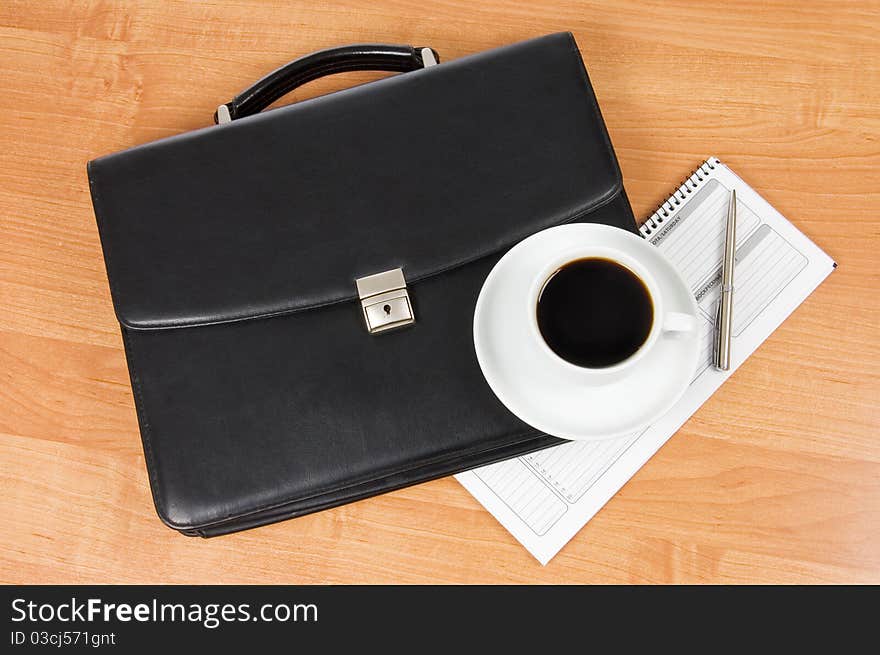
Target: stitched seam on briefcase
{"points": [[137, 392], [356, 482], [98, 204], [285, 510], [146, 429]]}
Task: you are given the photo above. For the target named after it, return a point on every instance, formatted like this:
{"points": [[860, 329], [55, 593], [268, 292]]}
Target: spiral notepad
{"points": [[690, 185], [545, 498]]}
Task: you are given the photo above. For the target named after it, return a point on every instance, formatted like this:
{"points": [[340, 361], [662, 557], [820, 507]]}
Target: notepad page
{"points": [[546, 497]]}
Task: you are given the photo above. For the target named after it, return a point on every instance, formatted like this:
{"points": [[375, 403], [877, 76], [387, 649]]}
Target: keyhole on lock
{"points": [[387, 310]]}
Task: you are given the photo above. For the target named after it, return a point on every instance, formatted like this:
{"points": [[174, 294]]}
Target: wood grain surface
{"points": [[775, 479]]}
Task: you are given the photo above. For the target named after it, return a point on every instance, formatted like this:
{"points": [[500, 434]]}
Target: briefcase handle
{"points": [[395, 58]]}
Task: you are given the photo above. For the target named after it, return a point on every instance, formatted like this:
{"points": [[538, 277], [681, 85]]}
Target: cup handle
{"points": [[679, 322]]}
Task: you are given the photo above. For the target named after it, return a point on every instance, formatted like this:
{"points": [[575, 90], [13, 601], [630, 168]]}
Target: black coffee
{"points": [[595, 312]]}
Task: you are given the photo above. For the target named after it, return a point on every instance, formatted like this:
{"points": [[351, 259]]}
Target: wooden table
{"points": [[775, 479]]}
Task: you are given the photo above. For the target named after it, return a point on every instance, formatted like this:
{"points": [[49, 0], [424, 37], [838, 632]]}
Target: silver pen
{"points": [[724, 318]]}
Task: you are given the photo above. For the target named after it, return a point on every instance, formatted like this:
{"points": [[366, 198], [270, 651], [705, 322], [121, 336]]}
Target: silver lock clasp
{"points": [[385, 301]]}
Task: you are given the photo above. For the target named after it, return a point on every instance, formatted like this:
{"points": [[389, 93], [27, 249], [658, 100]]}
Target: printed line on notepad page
{"points": [[697, 251], [525, 484], [766, 261], [766, 264], [514, 483], [574, 467], [526, 490]]}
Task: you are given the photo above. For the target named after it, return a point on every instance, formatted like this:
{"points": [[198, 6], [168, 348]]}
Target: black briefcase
{"points": [[296, 288]]}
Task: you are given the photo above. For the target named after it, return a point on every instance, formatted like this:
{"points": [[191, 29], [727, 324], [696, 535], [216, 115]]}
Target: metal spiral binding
{"points": [[686, 188]]}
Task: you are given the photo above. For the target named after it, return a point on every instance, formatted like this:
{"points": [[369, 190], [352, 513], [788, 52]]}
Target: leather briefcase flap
{"points": [[282, 211]]}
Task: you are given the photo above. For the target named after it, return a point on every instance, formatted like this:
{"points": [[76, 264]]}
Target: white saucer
{"points": [[528, 382]]}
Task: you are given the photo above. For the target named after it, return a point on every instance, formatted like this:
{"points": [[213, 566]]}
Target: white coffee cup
{"points": [[664, 323]]}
